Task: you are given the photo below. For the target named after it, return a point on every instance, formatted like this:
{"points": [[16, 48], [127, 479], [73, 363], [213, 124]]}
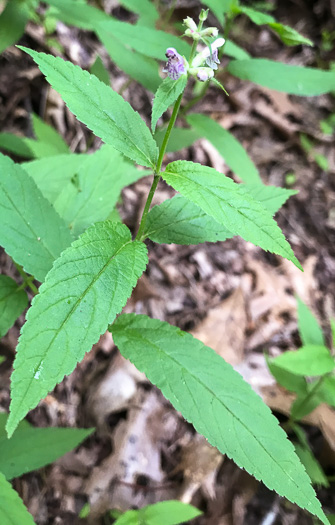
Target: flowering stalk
{"points": [[177, 66]]}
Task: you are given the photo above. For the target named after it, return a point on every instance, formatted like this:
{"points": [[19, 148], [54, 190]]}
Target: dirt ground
{"points": [[233, 296]]}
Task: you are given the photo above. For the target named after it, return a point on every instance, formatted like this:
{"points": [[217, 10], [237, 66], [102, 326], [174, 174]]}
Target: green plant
{"points": [[61, 230], [29, 449], [309, 373]]}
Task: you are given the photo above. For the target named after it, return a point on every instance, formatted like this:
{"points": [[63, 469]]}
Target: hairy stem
{"points": [[158, 167]]}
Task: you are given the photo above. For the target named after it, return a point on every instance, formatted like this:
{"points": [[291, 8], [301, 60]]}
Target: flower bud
{"points": [[203, 15], [190, 24], [209, 32]]}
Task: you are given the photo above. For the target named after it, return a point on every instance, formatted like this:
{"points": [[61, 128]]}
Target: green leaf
{"points": [[229, 204], [92, 193], [86, 288], [179, 138], [150, 42], [179, 221], [26, 147], [52, 174], [99, 107], [99, 70], [146, 10], [49, 135], [13, 21], [309, 328], [233, 50], [167, 94], [310, 360], [290, 36], [257, 17], [312, 466], [272, 197], [217, 401], [13, 301], [31, 232], [287, 34], [295, 80], [17, 145], [32, 448], [139, 67], [220, 7], [162, 513], [78, 13], [326, 392], [227, 145], [12, 509], [288, 380]]}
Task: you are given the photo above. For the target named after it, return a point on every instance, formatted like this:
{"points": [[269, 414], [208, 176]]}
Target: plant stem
{"points": [[27, 279], [158, 167], [305, 400], [162, 150]]}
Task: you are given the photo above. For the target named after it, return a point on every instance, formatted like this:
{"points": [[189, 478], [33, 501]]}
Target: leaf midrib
{"points": [[149, 342], [99, 110], [71, 312]]}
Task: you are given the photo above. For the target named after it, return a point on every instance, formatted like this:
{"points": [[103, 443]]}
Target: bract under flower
{"points": [[175, 66]]}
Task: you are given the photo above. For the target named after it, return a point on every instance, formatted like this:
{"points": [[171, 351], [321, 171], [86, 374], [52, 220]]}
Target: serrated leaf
{"points": [[162, 513], [229, 204], [99, 107], [272, 197], [47, 134], [32, 448], [31, 230], [167, 94], [84, 188], [295, 80], [150, 42], [53, 173], [179, 138], [13, 301], [310, 360], [12, 509], [13, 21], [180, 221], [309, 328], [92, 193], [218, 402], [139, 67], [227, 145], [99, 70], [86, 288]]}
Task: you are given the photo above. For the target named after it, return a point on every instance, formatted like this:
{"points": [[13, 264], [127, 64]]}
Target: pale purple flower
{"points": [[175, 66], [213, 61]]}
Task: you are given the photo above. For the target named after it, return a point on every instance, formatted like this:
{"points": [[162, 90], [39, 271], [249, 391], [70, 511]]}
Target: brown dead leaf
{"points": [[224, 328], [200, 462]]}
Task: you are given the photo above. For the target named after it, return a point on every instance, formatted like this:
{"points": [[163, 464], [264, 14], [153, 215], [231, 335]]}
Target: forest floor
{"points": [[236, 298]]}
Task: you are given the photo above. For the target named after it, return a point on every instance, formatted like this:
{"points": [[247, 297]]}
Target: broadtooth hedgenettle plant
{"points": [[89, 267]]}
